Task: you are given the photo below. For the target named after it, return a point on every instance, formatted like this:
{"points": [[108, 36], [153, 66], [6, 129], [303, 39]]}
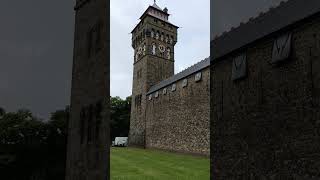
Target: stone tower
{"points": [[153, 41], [88, 131]]}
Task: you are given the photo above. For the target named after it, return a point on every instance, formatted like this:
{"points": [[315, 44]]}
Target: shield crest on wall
{"points": [[281, 48], [239, 67]]}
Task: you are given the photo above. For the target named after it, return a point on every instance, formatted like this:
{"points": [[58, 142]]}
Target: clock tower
{"points": [[153, 41]]}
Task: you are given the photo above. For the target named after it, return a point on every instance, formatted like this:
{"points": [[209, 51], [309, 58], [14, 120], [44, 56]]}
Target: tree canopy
{"points": [[31, 146], [120, 116]]}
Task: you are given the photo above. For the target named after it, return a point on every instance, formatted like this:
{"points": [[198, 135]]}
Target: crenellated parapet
{"points": [[194, 70]]}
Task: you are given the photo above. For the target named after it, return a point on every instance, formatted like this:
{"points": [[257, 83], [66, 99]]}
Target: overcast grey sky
{"points": [[193, 18], [230, 13], [36, 44]]}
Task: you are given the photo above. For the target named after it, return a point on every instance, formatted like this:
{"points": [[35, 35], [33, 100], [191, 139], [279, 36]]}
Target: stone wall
{"points": [[266, 125], [179, 120]]}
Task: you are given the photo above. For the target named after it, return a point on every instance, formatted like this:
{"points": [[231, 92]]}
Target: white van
{"points": [[121, 141]]}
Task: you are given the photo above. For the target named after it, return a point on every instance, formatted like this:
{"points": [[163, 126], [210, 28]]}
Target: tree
{"points": [[2, 112], [120, 116], [59, 119]]}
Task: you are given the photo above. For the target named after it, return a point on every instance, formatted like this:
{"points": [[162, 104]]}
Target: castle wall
{"points": [[179, 120], [266, 125]]}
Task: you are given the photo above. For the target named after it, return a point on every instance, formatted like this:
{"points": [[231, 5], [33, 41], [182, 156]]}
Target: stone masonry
{"points": [[150, 65], [265, 125], [88, 138], [179, 120]]}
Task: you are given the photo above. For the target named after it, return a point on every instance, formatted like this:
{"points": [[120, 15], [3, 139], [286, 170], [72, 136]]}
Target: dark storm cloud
{"points": [[36, 43], [229, 13]]}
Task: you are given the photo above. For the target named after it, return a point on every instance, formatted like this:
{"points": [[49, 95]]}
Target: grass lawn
{"points": [[144, 164]]}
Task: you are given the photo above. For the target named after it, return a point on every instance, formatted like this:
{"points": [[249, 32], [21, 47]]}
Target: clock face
{"points": [[162, 48]]}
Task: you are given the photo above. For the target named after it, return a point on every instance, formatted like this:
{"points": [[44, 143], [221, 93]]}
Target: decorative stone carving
{"points": [[174, 87], [156, 94], [164, 91], [281, 48], [184, 83], [157, 36], [239, 67], [171, 41], [152, 34], [198, 76], [161, 37], [162, 49]]}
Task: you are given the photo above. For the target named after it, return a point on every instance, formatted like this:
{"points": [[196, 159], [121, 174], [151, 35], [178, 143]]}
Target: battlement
{"points": [[266, 24], [181, 75]]}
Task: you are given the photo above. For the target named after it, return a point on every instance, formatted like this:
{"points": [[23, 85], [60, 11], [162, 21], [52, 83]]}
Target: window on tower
{"points": [[89, 43], [167, 38], [98, 119], [94, 39], [137, 100], [90, 120], [139, 74], [82, 122]]}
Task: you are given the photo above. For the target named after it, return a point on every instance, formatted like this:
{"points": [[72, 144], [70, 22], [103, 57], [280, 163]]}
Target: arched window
{"points": [[167, 38], [144, 48], [171, 40], [168, 53], [153, 49]]}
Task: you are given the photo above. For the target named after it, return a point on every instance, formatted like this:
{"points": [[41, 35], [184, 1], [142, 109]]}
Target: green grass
{"points": [[142, 164]]}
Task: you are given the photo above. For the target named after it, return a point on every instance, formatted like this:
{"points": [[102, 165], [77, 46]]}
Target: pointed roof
{"points": [[156, 7], [150, 11]]}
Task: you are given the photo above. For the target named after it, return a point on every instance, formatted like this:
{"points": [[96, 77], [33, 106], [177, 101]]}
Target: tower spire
{"points": [[155, 5]]}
